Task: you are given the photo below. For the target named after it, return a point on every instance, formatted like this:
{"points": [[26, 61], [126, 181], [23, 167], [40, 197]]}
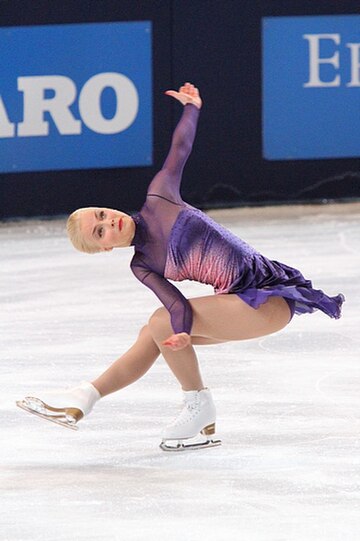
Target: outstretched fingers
{"points": [[190, 89], [187, 93]]}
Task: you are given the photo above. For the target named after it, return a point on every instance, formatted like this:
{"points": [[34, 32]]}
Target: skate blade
{"points": [[181, 445], [60, 419]]}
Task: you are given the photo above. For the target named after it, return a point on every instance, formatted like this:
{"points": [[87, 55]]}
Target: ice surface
{"points": [[288, 404]]}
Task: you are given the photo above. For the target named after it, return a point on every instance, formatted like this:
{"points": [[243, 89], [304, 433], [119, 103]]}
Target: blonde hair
{"points": [[75, 235]]}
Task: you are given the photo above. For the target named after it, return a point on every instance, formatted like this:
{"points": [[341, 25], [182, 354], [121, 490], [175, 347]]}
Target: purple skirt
{"points": [[304, 299]]}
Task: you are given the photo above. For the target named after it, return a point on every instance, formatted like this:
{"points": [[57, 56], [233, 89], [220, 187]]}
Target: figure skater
{"points": [[254, 297]]}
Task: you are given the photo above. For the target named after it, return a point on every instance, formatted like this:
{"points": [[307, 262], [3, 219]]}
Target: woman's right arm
{"points": [[177, 305]]}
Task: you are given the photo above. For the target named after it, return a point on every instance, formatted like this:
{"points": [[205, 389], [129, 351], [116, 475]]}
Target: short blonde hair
{"points": [[75, 235]]}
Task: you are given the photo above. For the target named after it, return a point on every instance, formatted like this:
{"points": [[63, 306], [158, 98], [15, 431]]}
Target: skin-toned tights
{"points": [[217, 318]]}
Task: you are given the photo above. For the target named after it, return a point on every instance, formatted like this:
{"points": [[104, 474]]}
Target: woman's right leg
{"points": [[131, 366], [67, 407]]}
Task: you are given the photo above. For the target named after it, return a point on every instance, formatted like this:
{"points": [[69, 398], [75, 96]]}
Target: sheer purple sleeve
{"points": [[156, 219], [167, 182], [173, 300]]}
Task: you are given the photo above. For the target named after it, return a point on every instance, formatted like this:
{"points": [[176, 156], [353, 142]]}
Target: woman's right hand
{"points": [[177, 341], [188, 93]]}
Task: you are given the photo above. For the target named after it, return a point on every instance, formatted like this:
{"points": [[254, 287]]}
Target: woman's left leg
{"points": [[227, 317], [216, 318]]}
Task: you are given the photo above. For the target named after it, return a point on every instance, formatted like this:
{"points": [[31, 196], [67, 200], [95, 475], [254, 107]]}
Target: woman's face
{"points": [[106, 228]]}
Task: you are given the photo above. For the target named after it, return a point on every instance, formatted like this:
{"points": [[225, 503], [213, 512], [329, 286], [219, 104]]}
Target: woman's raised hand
{"points": [[188, 93], [178, 341]]}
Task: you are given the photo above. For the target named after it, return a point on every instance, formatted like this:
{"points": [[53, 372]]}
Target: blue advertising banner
{"points": [[75, 96], [311, 87]]}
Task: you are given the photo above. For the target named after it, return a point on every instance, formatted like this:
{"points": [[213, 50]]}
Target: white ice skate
{"points": [[65, 407], [196, 420]]}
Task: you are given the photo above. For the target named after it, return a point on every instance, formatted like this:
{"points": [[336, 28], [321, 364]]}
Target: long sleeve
{"points": [[156, 219], [167, 182], [174, 301]]}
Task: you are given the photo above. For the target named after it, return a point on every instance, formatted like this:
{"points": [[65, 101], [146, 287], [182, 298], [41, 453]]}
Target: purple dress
{"points": [[175, 241]]}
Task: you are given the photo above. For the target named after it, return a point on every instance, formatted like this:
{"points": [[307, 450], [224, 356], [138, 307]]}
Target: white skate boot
{"points": [[197, 417], [64, 407]]}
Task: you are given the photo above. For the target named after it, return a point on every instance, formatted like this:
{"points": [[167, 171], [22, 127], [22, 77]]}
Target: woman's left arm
{"points": [[167, 182]]}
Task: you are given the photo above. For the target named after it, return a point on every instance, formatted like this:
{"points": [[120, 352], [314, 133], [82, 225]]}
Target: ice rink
{"points": [[288, 405]]}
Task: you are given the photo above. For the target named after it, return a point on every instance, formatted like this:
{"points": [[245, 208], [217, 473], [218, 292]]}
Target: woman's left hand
{"points": [[188, 93], [178, 341]]}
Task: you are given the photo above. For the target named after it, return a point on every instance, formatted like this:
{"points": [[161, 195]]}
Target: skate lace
{"points": [[192, 406], [189, 408]]}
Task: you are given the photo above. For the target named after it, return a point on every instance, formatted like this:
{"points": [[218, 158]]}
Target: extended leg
{"points": [[131, 366], [67, 407]]}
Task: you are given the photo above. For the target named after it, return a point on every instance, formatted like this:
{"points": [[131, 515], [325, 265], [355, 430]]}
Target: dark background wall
{"points": [[217, 45]]}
